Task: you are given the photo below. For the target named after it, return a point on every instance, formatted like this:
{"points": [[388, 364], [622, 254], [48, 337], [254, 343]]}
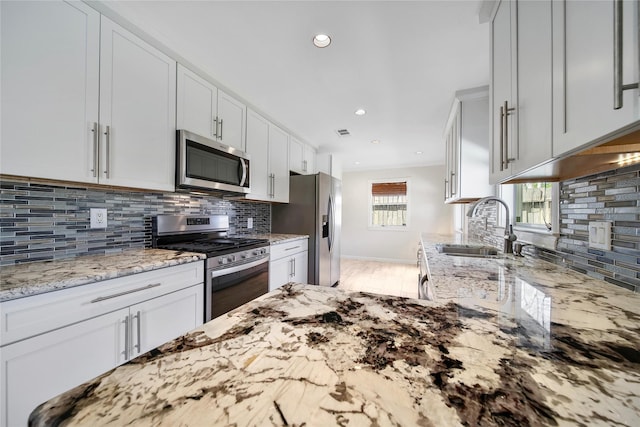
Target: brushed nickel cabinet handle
{"points": [[139, 320], [107, 153], [502, 138], [119, 294], [452, 187], [618, 86], [96, 166], [221, 123], [126, 337], [446, 188]]}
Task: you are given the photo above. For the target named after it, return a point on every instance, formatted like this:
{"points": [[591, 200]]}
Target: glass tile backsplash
{"points": [[612, 196], [43, 222]]}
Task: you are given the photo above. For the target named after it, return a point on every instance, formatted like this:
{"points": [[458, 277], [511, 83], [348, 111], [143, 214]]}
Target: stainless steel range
{"points": [[237, 268]]}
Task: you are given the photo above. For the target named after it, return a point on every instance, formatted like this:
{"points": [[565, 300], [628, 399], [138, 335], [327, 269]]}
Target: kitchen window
{"points": [[535, 207], [388, 204]]}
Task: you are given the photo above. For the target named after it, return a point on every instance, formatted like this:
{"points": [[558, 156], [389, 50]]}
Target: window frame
{"points": [[370, 224], [508, 193]]}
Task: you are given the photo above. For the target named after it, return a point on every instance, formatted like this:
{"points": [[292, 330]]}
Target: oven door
{"points": [[206, 164], [229, 288]]}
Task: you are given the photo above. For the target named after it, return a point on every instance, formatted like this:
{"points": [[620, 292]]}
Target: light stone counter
{"points": [[34, 278], [507, 342], [278, 238]]}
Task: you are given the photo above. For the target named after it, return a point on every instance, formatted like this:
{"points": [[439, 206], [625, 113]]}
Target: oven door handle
{"points": [[235, 269]]}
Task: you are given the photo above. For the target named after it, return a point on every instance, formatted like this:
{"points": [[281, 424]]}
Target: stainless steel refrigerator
{"points": [[314, 208]]}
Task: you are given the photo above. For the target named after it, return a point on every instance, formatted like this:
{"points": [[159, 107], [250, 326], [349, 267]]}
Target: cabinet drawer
{"points": [[280, 250], [26, 317]]}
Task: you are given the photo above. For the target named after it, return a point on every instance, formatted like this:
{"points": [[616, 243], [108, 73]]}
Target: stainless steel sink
{"points": [[478, 251]]}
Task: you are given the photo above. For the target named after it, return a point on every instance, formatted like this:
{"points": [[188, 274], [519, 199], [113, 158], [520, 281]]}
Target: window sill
{"points": [[390, 228], [537, 237]]}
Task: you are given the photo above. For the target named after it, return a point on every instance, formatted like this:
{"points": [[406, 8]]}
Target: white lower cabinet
{"points": [[289, 262], [38, 367]]}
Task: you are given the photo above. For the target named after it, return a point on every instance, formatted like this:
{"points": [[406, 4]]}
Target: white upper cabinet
{"points": [[61, 63], [268, 146], [309, 160], [196, 104], [231, 121], [521, 84], [205, 110], [584, 63], [467, 147], [50, 72], [296, 156], [137, 111], [279, 164], [302, 158]]}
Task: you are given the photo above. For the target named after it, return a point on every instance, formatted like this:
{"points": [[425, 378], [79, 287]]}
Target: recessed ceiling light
{"points": [[356, 163], [418, 152], [360, 112], [375, 141], [321, 40]]}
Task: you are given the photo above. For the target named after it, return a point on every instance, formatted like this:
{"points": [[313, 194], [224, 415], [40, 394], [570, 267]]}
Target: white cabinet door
{"points": [[309, 160], [292, 268], [583, 104], [196, 103], [279, 273], [50, 71], [44, 366], [300, 267], [137, 111], [503, 67], [231, 117], [161, 319], [279, 163], [258, 148], [296, 156], [534, 82]]}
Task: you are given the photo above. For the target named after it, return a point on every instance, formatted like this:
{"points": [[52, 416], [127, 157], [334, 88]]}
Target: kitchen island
{"points": [[503, 347]]}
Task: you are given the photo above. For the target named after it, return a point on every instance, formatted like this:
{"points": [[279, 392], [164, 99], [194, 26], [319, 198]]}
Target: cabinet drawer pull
{"points": [[618, 86], [291, 248], [119, 294]]}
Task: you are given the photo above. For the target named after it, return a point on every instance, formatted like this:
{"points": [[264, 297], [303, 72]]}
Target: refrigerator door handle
{"points": [[330, 212]]}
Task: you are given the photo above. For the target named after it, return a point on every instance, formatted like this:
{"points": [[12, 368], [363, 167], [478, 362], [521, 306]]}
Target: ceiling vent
{"points": [[343, 132]]}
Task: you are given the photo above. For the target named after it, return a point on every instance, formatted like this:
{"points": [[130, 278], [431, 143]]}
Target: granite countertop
{"points": [[277, 238], [507, 342], [22, 280]]}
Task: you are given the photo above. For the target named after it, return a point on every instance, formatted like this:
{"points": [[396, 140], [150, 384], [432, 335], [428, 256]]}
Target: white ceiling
{"points": [[401, 61]]}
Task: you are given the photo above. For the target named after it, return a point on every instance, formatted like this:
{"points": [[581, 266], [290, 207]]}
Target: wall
{"points": [[43, 222], [610, 196], [427, 213]]}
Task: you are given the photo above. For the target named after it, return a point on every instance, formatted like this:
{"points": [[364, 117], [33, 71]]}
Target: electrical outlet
{"points": [[98, 218], [249, 222], [600, 235]]}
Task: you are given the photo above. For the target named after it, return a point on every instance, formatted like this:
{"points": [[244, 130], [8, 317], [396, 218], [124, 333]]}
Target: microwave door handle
{"points": [[243, 167]]}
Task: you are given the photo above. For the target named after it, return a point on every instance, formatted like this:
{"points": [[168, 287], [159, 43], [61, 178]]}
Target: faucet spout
{"points": [[509, 237]]}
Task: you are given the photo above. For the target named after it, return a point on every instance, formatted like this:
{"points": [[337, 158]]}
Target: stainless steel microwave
{"points": [[204, 164]]}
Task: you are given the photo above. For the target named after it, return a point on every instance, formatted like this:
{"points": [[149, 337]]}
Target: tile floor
{"points": [[379, 277]]}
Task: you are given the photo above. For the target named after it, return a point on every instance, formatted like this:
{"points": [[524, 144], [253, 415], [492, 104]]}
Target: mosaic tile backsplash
{"points": [[43, 222], [612, 196]]}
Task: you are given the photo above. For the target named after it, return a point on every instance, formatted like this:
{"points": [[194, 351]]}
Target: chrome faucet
{"points": [[509, 237]]}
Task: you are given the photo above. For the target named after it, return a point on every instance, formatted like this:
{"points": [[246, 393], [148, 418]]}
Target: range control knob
{"points": [[232, 258], [224, 260]]}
